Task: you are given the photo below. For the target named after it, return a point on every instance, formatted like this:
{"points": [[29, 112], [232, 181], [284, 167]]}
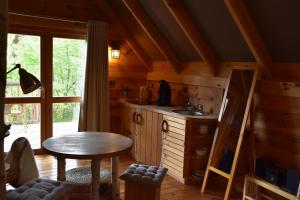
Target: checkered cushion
{"points": [[145, 174], [39, 189]]}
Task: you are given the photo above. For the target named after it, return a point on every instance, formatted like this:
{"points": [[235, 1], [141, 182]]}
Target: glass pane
{"points": [[68, 66], [65, 118], [26, 122], [24, 50]]}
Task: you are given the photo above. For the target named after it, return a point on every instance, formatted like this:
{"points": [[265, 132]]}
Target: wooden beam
{"points": [[252, 37], [3, 127], [136, 47], [193, 34], [145, 22], [74, 10]]}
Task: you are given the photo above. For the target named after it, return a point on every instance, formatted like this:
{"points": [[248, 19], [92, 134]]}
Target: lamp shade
{"points": [[115, 53], [28, 82], [115, 50]]}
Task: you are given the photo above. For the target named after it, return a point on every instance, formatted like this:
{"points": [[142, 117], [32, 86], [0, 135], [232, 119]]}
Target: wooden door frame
{"points": [[46, 100]]}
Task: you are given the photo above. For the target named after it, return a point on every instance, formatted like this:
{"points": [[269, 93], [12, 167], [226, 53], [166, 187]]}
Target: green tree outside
{"points": [[68, 70]]}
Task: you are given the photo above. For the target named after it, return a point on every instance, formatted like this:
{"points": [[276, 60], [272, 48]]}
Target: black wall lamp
{"points": [[28, 82], [115, 51]]}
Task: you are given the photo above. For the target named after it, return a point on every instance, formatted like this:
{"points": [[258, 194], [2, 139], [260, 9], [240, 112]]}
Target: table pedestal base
{"points": [[95, 167]]}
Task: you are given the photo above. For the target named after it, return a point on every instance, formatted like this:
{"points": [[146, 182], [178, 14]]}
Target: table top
{"points": [[87, 145]]}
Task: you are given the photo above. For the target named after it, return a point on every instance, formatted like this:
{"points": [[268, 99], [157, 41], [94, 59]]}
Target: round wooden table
{"points": [[92, 146]]}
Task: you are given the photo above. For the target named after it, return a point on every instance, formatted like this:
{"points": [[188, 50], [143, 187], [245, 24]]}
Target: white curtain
{"points": [[94, 108]]}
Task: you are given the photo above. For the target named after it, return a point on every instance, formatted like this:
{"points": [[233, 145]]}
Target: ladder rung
{"points": [[217, 171]]}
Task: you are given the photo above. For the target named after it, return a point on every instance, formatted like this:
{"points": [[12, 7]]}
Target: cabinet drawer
{"points": [[169, 138], [173, 145]]}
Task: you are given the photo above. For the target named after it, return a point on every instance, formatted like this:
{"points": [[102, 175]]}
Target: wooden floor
{"points": [[170, 190]]}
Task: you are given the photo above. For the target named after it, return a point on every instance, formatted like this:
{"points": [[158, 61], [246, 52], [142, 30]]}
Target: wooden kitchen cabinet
{"points": [[128, 126], [148, 137], [144, 128], [169, 140], [173, 148], [181, 139]]}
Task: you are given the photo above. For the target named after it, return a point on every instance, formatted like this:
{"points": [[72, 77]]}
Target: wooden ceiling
{"points": [[180, 31]]}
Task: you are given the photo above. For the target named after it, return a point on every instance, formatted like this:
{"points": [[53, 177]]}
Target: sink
{"points": [[189, 112]]}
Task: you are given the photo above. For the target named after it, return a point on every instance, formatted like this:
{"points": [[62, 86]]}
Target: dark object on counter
{"points": [[164, 94]]}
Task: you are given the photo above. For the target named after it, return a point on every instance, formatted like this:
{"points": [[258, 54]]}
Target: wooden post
{"points": [[3, 127], [61, 169], [95, 167], [115, 178]]}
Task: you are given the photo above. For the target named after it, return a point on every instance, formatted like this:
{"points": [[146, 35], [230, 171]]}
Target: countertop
{"points": [[168, 111]]}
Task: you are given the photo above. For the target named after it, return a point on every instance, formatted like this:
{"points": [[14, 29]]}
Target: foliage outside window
{"points": [[68, 70], [24, 50]]}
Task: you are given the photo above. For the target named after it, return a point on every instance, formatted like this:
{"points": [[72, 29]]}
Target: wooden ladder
{"points": [[225, 129]]}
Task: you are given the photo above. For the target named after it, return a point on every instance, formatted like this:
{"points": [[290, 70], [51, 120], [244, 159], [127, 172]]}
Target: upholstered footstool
{"points": [[143, 181], [81, 178], [40, 189]]}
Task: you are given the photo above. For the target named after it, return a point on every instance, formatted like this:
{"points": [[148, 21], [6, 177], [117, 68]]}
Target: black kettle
{"points": [[164, 94]]}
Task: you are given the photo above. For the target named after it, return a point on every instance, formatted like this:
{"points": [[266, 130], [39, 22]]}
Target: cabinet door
{"points": [[152, 137], [139, 121], [148, 137], [173, 147], [156, 139], [129, 126]]}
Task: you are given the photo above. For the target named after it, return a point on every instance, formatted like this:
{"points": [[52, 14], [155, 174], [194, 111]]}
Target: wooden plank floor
{"points": [[170, 190]]}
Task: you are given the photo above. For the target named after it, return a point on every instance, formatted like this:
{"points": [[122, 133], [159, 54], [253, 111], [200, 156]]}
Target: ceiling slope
{"points": [[278, 23], [252, 37], [153, 33], [193, 34]]}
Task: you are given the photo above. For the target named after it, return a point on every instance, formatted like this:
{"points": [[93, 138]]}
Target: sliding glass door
{"points": [[68, 73], [54, 109], [23, 111]]}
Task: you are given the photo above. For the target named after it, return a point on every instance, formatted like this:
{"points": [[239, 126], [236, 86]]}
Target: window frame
{"points": [[46, 100]]}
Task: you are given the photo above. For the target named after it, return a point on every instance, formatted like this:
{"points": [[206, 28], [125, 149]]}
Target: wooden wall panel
{"points": [[277, 105], [210, 97]]}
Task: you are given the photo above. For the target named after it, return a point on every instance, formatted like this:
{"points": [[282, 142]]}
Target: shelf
{"points": [[262, 183]]}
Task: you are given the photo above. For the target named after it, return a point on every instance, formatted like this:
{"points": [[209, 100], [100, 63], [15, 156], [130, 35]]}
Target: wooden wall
{"points": [[210, 97], [128, 71], [277, 105]]}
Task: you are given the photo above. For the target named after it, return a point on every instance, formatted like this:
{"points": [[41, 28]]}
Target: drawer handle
{"points": [[138, 118], [165, 126]]}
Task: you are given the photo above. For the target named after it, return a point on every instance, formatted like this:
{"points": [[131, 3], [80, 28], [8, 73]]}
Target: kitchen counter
{"points": [[168, 111]]}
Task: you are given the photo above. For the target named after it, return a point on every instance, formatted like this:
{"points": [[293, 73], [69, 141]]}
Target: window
{"points": [[68, 72], [25, 50], [23, 111], [55, 109]]}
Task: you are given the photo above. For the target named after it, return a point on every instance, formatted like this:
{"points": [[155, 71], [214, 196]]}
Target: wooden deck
{"points": [[170, 190]]}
